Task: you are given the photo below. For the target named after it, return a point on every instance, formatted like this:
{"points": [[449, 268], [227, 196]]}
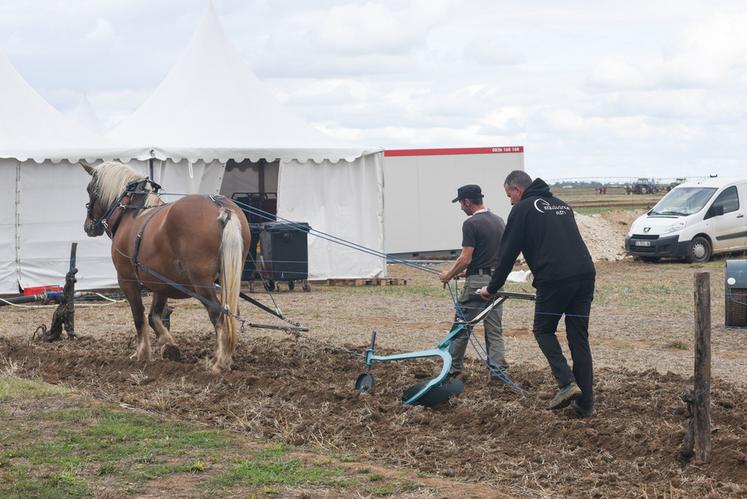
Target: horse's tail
{"points": [[232, 265]]}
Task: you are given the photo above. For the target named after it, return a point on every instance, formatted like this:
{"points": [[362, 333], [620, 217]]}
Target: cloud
{"points": [[618, 75], [492, 50], [710, 53], [102, 31], [364, 29], [585, 87]]}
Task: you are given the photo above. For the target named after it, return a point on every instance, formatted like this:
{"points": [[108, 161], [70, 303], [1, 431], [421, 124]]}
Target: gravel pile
{"points": [[602, 236]]}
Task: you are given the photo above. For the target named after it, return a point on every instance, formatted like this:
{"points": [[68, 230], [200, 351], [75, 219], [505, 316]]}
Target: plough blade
{"points": [[435, 395], [365, 383]]}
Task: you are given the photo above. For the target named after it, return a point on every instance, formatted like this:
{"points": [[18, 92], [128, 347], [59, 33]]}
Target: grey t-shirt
{"points": [[483, 231]]}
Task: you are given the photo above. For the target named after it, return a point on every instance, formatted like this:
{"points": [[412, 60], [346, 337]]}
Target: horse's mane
{"points": [[111, 179]]}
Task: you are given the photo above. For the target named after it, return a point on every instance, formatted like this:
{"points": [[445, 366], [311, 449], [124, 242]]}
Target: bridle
{"points": [[134, 187]]}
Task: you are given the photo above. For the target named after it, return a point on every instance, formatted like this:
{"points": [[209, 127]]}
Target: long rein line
{"points": [[322, 235], [333, 239]]}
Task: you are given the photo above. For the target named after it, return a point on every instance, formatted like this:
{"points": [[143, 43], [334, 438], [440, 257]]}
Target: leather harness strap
{"points": [[217, 199], [139, 240]]}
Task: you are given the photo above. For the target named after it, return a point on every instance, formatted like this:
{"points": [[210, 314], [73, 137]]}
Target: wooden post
{"points": [[64, 314], [697, 441]]}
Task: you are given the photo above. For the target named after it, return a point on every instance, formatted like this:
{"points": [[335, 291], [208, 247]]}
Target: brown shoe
{"points": [[569, 392], [580, 411]]}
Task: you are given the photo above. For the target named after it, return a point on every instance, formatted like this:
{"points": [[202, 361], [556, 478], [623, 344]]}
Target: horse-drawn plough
{"points": [[174, 251]]}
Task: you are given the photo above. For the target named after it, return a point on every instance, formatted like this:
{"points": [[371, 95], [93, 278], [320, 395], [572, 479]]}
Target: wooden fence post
{"points": [[697, 440]]}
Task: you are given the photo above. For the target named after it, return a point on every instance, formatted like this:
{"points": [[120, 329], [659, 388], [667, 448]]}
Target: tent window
{"points": [[254, 183]]}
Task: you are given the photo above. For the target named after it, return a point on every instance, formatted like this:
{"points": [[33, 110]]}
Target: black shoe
{"points": [[569, 392], [580, 411]]}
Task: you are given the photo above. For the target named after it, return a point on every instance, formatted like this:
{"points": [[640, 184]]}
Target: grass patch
{"points": [[394, 488], [271, 452], [678, 345], [281, 472], [12, 387], [70, 448], [123, 446], [58, 485]]}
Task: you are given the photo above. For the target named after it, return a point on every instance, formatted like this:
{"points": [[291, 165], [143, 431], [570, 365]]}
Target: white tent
{"points": [[84, 116], [211, 110], [43, 191]]}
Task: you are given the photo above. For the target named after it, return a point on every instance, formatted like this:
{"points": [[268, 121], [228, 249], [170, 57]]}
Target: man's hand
{"points": [[444, 277], [484, 293]]}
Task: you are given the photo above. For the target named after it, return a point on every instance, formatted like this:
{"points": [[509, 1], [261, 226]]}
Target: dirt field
{"points": [[301, 392], [589, 197]]}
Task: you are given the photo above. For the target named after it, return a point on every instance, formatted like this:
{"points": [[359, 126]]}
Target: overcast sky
{"points": [[597, 88]]}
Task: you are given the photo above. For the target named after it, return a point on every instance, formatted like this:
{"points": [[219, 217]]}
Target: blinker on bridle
{"points": [[134, 187]]}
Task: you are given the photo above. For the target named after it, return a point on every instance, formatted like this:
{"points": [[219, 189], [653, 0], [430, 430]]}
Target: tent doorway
{"points": [[254, 183]]}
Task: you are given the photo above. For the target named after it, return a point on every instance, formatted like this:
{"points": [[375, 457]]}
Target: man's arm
{"points": [[461, 263]]}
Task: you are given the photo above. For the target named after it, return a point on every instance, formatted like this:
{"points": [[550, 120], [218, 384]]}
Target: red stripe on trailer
{"points": [[454, 150]]}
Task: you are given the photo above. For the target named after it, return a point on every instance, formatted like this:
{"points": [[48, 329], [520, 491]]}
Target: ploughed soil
{"points": [[301, 393]]}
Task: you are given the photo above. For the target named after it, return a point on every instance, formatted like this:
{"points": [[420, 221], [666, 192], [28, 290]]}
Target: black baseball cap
{"points": [[469, 191]]}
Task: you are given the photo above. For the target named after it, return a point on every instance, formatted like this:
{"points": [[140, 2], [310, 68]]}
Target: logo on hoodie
{"points": [[543, 206]]}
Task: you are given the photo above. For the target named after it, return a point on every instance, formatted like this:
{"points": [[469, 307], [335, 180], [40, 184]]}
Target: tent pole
{"points": [[17, 223]]}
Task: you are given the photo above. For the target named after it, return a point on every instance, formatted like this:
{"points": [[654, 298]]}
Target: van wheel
{"points": [[700, 250]]}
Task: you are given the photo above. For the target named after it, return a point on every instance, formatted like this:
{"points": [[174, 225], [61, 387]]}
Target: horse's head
{"points": [[110, 182], [94, 211]]}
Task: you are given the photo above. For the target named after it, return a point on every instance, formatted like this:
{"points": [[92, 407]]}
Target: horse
{"points": [[175, 250]]}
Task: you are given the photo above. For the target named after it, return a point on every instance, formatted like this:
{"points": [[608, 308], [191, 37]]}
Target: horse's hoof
{"points": [[218, 369], [171, 352]]}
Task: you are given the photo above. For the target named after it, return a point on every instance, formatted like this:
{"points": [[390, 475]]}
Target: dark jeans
{"points": [[572, 298]]}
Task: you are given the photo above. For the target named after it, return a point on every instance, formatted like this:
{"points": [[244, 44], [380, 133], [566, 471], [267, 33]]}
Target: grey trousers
{"points": [[472, 305]]}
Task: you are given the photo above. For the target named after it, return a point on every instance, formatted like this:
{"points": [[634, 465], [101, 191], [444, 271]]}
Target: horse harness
{"points": [[134, 187], [138, 241], [217, 199]]}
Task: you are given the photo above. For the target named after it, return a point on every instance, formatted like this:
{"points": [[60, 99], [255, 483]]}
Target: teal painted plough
{"points": [[442, 387]]}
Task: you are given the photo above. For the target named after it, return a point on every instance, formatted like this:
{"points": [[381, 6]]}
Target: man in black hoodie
{"points": [[543, 228]]}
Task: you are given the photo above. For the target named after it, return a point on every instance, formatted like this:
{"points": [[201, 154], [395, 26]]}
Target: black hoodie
{"points": [[543, 228]]}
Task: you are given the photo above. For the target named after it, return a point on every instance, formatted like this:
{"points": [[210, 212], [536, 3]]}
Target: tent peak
{"points": [[211, 100]]}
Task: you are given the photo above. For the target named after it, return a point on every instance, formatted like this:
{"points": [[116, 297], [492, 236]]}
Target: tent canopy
{"points": [[86, 117], [211, 106], [31, 129]]}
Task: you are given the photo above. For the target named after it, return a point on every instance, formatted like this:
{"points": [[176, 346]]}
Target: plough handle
{"points": [[370, 351], [519, 296]]}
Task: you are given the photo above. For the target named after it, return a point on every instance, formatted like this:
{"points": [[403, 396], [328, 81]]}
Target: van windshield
{"points": [[683, 201]]}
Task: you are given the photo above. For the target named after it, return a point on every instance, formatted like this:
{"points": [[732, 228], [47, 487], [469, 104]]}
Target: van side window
{"points": [[729, 199]]}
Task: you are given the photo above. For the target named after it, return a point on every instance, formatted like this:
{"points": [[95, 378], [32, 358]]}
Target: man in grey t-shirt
{"points": [[481, 237]]}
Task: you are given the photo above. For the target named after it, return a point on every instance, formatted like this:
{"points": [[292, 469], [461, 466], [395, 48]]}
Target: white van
{"points": [[693, 221]]}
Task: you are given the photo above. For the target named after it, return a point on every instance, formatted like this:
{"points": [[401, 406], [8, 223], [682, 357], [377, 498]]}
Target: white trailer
{"points": [[419, 184]]}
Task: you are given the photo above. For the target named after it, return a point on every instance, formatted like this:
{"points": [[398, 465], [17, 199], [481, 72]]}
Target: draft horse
{"points": [[175, 250]]}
